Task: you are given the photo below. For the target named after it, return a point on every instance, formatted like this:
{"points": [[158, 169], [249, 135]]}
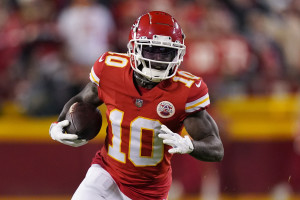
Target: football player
{"points": [[148, 101]]}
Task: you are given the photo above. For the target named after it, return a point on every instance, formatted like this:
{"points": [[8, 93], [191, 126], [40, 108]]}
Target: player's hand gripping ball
{"points": [[85, 120]]}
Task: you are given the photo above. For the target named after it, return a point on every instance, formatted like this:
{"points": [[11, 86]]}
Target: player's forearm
{"points": [[209, 149], [206, 139]]}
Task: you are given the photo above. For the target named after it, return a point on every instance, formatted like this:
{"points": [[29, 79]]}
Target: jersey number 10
{"points": [[135, 140]]}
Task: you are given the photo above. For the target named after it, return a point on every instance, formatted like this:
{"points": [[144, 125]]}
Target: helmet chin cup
{"points": [[153, 75], [143, 81]]}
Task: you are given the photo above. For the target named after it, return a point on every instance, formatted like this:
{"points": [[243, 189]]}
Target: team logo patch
{"points": [[165, 109]]}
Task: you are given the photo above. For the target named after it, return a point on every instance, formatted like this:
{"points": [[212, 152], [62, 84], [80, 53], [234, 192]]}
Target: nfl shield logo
{"points": [[139, 103]]}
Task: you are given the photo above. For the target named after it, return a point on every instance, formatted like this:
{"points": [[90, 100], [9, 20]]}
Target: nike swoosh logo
{"points": [[198, 84], [101, 59]]}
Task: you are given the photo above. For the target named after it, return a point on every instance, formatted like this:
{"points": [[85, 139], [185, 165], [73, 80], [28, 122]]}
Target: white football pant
{"points": [[98, 185]]}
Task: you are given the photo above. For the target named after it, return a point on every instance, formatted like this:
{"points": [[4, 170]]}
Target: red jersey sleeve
{"points": [[198, 98], [97, 69]]}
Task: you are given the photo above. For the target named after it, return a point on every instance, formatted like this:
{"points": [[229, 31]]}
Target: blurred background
{"points": [[247, 51]]}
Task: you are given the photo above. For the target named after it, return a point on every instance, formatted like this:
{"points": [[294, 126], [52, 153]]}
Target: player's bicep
{"points": [[200, 125]]}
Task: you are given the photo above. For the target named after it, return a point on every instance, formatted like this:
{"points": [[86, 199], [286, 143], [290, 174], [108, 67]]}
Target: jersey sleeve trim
{"points": [[197, 104], [93, 77]]}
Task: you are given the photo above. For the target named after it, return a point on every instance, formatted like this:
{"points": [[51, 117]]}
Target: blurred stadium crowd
{"points": [[240, 47]]}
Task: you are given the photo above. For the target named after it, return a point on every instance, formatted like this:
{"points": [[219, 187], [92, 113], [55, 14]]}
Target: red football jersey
{"points": [[133, 154]]}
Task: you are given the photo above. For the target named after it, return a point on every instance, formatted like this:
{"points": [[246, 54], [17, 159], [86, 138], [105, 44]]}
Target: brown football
{"points": [[85, 120]]}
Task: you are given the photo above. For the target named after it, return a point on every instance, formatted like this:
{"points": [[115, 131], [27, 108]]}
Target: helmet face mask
{"points": [[156, 46]]}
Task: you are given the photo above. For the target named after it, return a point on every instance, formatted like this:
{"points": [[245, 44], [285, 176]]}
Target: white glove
{"points": [[57, 133], [180, 144]]}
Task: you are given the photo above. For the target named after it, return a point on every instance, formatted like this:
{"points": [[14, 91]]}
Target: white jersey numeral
{"points": [[116, 61], [186, 78], [114, 150], [138, 127]]}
